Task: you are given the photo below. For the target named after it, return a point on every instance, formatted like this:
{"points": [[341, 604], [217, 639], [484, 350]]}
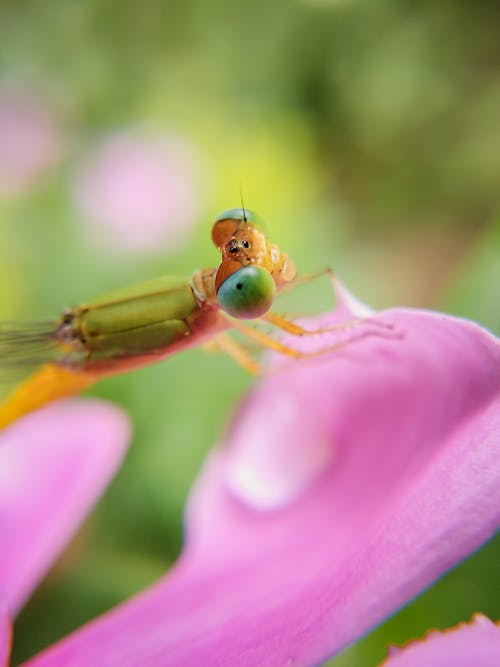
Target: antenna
{"points": [[242, 204]]}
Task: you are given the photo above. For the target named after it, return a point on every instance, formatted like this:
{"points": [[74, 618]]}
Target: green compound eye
{"points": [[247, 293], [236, 214]]}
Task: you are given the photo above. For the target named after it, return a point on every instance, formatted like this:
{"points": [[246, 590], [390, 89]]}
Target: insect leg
{"points": [[269, 342], [296, 330], [307, 278], [225, 343]]}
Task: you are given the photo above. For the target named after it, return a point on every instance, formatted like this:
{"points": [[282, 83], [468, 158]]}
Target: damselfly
{"points": [[142, 324]]}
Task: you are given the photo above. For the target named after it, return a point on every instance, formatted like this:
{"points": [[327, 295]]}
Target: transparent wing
{"points": [[26, 345]]}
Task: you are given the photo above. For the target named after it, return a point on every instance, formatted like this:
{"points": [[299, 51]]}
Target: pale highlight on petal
{"points": [[476, 644], [269, 475], [54, 464]]}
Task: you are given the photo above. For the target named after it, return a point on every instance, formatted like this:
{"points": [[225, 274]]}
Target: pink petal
{"points": [[54, 464], [469, 645], [5, 637], [401, 484]]}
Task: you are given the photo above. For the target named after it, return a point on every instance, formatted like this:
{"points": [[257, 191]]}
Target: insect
{"points": [[139, 325]]}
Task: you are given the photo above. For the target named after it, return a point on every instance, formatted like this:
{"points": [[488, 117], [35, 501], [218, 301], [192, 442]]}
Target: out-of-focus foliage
{"points": [[366, 133]]}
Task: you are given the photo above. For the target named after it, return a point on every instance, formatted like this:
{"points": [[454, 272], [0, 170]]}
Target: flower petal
{"points": [[53, 466], [477, 644], [403, 484]]}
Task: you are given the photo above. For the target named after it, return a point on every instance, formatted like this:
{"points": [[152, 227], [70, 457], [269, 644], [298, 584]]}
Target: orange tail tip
{"points": [[49, 383]]}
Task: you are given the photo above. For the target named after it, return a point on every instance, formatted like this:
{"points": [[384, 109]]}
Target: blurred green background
{"points": [[366, 133]]}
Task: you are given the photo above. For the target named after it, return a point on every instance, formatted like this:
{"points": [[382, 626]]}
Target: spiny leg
{"points": [[269, 342], [237, 352], [296, 330], [307, 278]]}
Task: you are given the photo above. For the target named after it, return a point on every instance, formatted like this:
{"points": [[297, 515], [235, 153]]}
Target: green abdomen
{"points": [[139, 320]]}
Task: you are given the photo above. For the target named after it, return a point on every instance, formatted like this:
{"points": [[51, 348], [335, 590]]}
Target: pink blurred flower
{"points": [[469, 645], [139, 193], [30, 140], [346, 485], [54, 465]]}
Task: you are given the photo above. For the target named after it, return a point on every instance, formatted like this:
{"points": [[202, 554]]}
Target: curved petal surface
{"points": [[386, 459], [477, 643], [54, 464]]}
